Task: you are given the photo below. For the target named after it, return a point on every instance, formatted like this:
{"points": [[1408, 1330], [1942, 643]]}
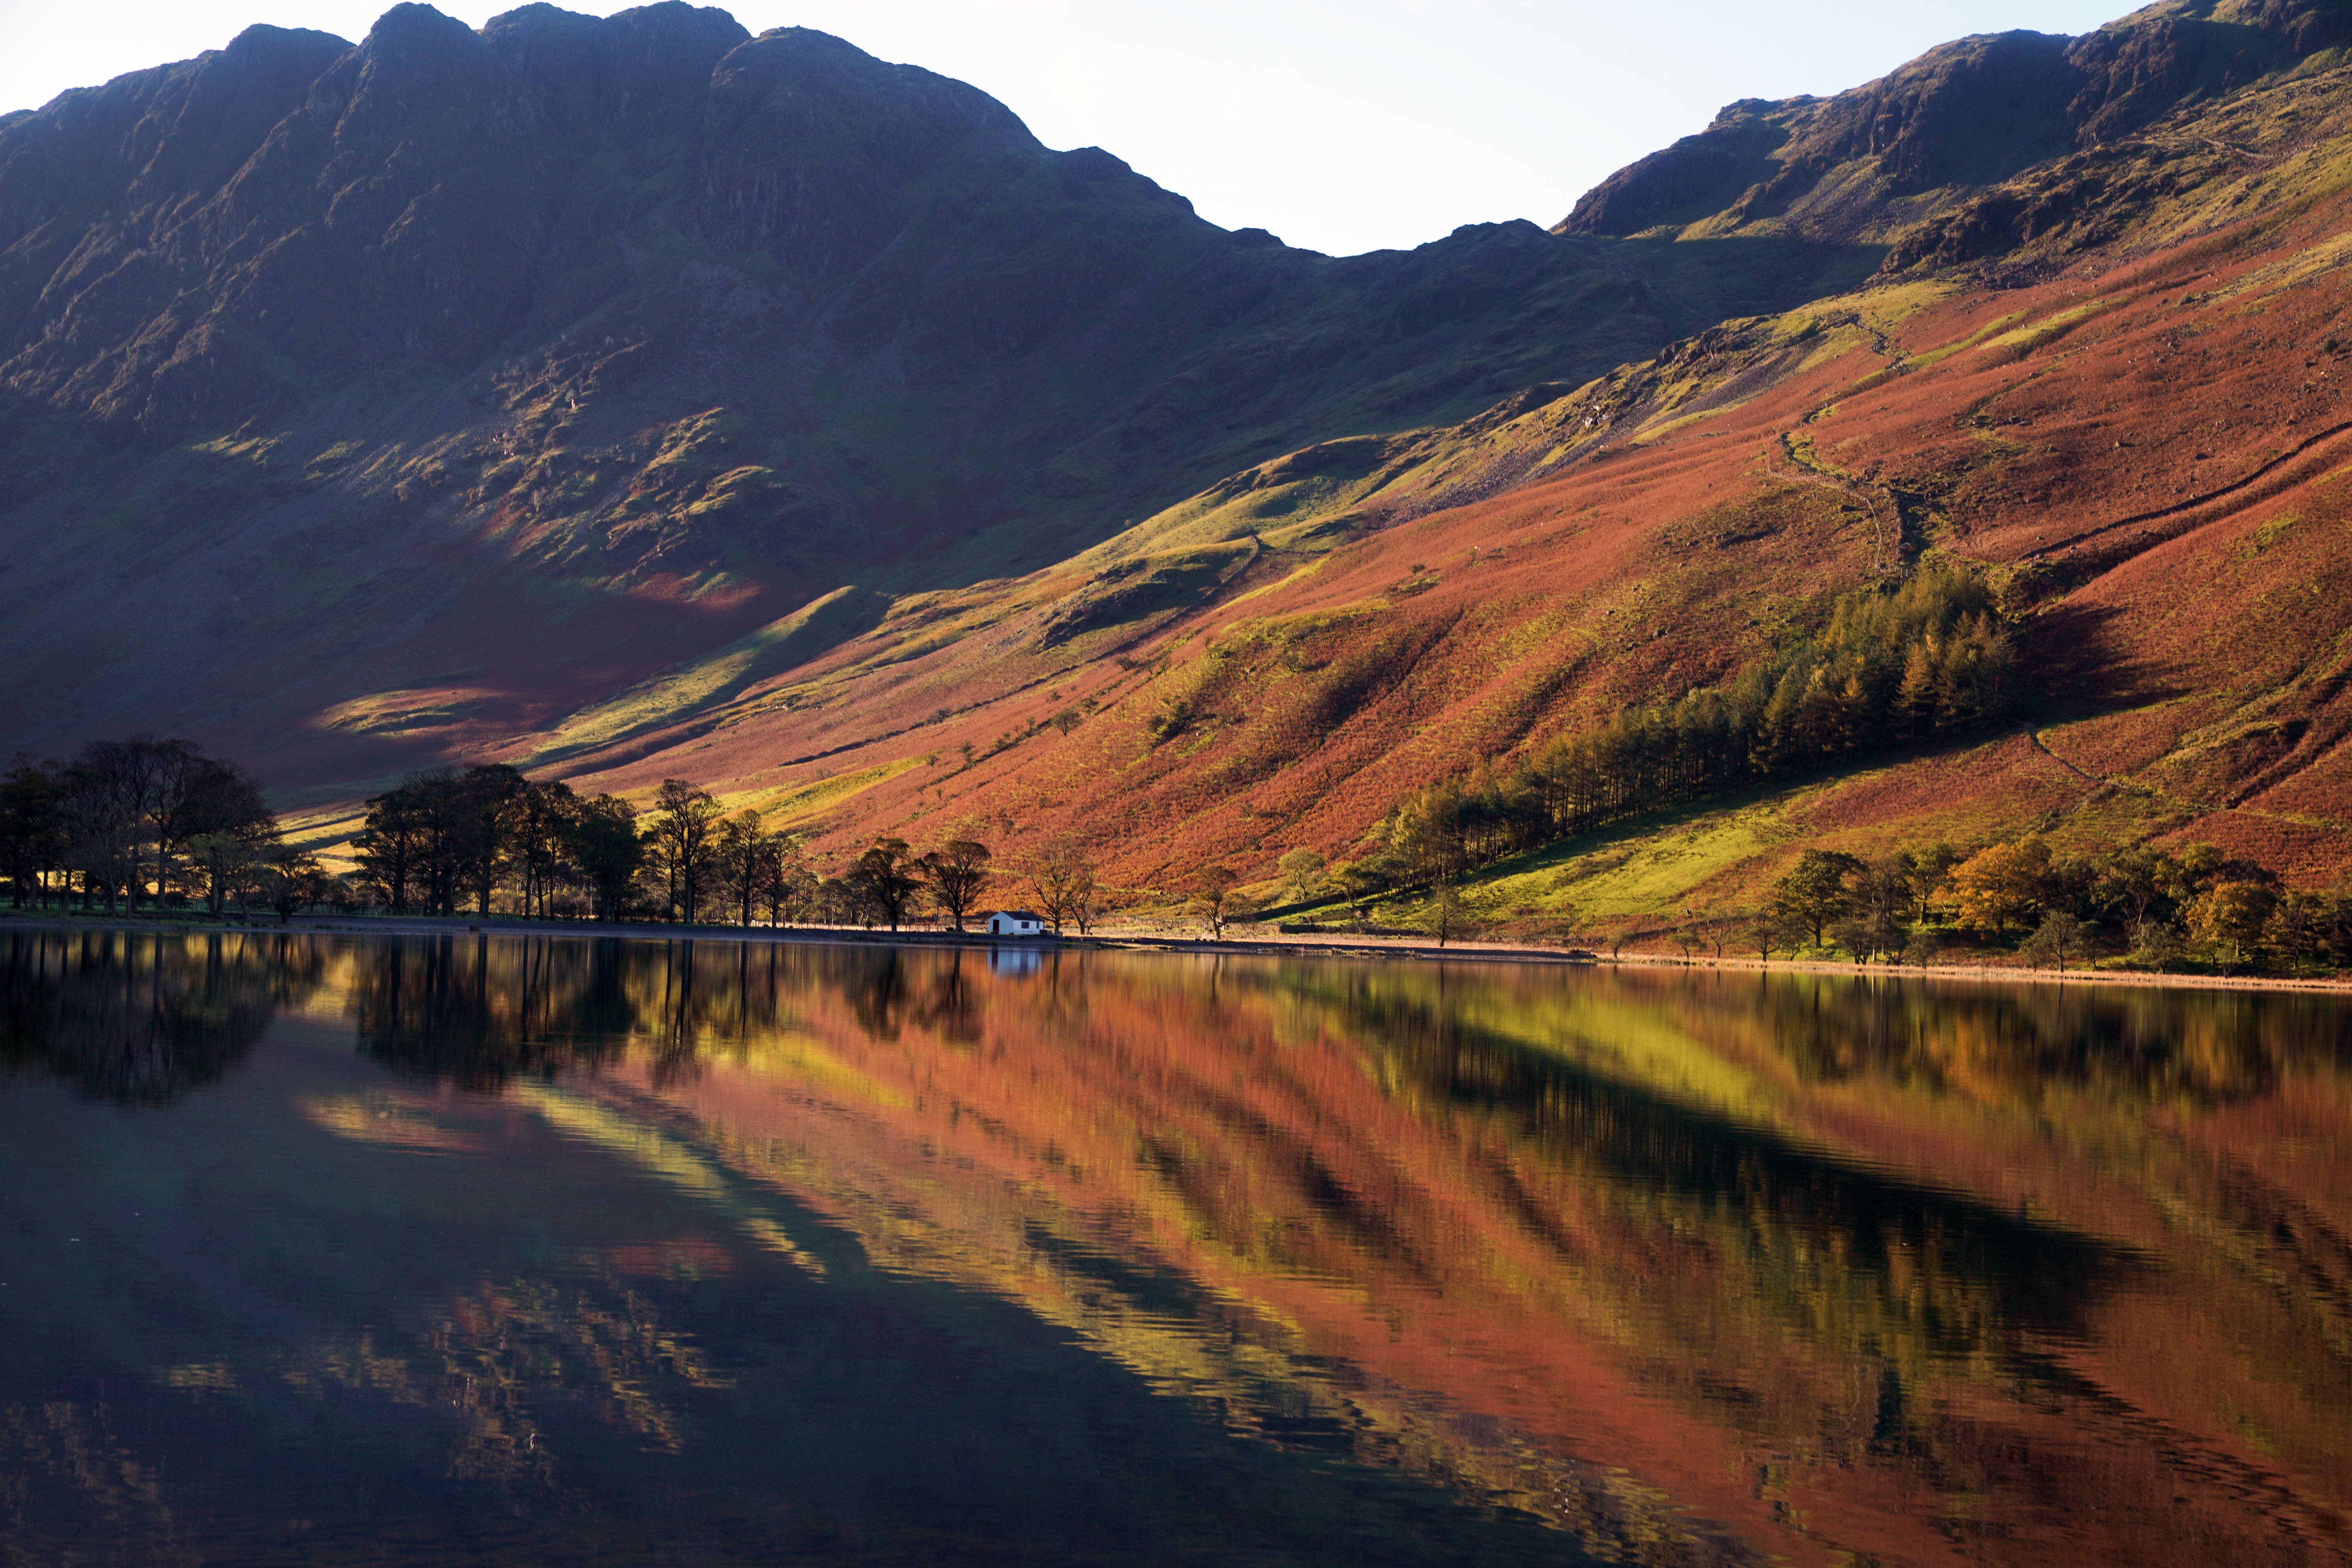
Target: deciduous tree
{"points": [[889, 878], [1455, 911], [2231, 916], [230, 863], [740, 857], [1813, 892], [1303, 874], [481, 844], [294, 881], [602, 840], [2000, 887], [32, 827], [957, 872], [2059, 936], [539, 826], [1212, 904], [681, 833], [390, 849], [2298, 926], [790, 890], [1062, 878]]}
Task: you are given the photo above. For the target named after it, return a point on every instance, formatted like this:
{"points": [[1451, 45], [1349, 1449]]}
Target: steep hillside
{"points": [[1870, 164], [362, 404], [632, 399], [2144, 448]]}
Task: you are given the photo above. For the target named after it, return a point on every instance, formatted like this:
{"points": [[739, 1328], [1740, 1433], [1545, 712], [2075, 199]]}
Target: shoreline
{"points": [[1118, 940]]}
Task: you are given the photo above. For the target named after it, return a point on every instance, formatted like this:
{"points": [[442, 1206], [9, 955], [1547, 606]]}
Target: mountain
{"points": [[633, 398], [1872, 164], [388, 361]]}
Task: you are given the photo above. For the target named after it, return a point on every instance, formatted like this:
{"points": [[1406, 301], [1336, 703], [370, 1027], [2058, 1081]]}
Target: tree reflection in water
{"points": [[480, 1012], [1686, 1264], [142, 1018]]}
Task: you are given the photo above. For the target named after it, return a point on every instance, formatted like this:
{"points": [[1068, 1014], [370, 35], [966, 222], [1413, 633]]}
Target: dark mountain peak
{"points": [[815, 153], [1095, 164], [2303, 27], [1746, 111], [1962, 116], [646, 69], [802, 76], [675, 31], [416, 34], [262, 45], [670, 33]]}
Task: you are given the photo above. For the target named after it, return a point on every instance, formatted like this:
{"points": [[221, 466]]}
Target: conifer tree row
{"points": [[1932, 656]]}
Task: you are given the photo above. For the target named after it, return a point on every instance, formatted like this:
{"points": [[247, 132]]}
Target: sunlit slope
{"points": [[2146, 451], [759, 411]]}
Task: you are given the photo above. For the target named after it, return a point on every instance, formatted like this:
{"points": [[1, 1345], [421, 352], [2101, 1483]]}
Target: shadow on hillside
{"points": [[2083, 671]]}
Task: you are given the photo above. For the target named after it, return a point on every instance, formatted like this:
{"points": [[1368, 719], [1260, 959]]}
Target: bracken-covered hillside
{"points": [[819, 436]]}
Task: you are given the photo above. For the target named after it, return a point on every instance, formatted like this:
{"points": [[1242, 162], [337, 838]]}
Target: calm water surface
{"points": [[475, 1250]]}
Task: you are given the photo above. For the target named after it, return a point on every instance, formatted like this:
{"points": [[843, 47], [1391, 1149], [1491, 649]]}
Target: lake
{"points": [[481, 1249]]}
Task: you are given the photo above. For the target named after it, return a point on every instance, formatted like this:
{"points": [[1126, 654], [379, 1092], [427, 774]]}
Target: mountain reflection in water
{"points": [[713, 1252]]}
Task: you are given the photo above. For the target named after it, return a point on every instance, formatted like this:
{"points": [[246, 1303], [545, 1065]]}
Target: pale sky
{"points": [[1340, 126]]}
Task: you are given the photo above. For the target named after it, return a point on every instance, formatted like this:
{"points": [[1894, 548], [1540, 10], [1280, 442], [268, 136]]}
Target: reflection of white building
{"points": [[1015, 922], [1014, 961]]}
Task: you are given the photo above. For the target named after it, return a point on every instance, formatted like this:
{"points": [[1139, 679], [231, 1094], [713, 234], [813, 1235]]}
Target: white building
{"points": [[1015, 922]]}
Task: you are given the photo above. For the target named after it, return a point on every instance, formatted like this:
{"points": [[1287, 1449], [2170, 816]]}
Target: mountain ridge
{"points": [[1973, 112], [793, 420]]}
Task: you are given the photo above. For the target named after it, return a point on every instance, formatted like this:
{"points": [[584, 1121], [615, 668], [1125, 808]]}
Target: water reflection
{"points": [[1460, 1263], [141, 1020]]}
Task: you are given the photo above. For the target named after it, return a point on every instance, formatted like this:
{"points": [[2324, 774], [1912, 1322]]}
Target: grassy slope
{"points": [[1267, 663]]}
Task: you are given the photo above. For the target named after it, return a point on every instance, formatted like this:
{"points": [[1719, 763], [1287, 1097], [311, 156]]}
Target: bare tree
{"points": [[681, 836], [789, 887], [959, 874], [740, 855], [1064, 881], [1214, 906]]}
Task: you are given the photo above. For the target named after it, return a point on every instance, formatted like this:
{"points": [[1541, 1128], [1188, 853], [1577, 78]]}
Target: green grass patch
{"points": [[796, 803], [2024, 340], [1653, 869]]}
